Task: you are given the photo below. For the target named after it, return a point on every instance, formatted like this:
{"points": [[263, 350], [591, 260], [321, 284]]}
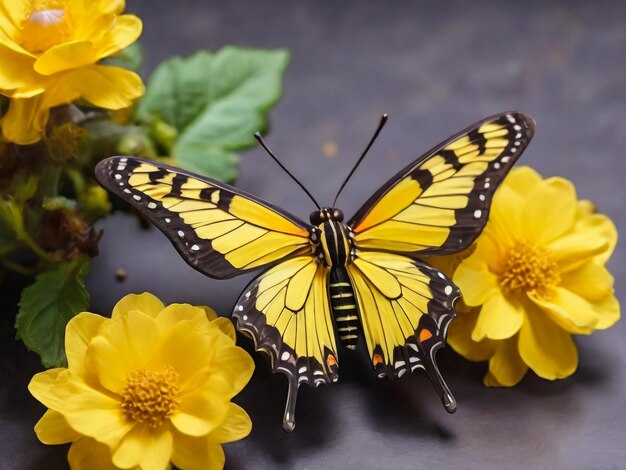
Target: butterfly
{"points": [[326, 279]]}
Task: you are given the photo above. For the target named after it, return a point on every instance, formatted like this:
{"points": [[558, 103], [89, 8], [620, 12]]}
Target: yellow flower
{"points": [[49, 51], [536, 276], [149, 386]]}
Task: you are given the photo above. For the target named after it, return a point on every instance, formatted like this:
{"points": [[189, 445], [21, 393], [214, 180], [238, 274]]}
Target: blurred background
{"points": [[435, 67]]}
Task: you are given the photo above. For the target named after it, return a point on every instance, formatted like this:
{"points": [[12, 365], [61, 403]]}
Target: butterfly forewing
{"points": [[440, 203], [219, 230]]}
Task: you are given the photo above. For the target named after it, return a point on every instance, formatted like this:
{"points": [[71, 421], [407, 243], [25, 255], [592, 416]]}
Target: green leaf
{"points": [[216, 102], [47, 305], [178, 90]]}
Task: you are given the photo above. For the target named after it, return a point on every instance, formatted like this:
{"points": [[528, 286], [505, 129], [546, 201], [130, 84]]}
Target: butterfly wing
{"points": [[440, 203], [286, 312], [405, 307], [217, 229]]}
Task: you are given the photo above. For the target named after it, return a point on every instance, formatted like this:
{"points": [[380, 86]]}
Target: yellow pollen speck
{"points": [[150, 397], [47, 25], [530, 269]]}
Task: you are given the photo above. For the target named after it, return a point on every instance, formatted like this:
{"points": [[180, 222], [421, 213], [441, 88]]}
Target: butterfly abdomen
{"points": [[343, 305]]}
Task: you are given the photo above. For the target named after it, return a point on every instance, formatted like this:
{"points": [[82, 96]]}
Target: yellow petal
{"points": [[145, 447], [550, 210], [17, 72], [25, 120], [176, 313], [545, 347], [40, 384], [522, 179], [506, 365], [197, 453], [575, 249], [79, 332], [146, 303], [12, 13], [122, 346], [490, 381], [591, 281], [226, 326], [210, 313], [476, 282], [608, 311], [505, 217], [489, 249], [599, 226], [498, 319], [66, 56], [460, 339], [89, 411], [235, 365], [53, 429], [200, 413], [568, 310], [187, 350], [236, 426], [585, 208], [89, 454], [125, 31], [106, 6], [106, 86]]}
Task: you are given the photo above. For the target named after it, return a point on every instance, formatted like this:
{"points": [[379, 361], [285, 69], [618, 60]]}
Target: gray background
{"points": [[435, 67]]}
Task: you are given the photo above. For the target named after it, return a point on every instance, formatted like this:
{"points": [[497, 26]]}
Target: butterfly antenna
{"points": [[258, 137], [381, 124]]}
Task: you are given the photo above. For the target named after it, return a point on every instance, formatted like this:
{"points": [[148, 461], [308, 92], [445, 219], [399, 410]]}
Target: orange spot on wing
{"points": [[424, 335], [331, 360], [377, 359]]}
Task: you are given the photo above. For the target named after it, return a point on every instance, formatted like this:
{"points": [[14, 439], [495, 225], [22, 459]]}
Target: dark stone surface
{"points": [[435, 68]]}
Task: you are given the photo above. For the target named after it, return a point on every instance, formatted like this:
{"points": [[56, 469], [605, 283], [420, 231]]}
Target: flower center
{"points": [[150, 397], [530, 269], [46, 26]]}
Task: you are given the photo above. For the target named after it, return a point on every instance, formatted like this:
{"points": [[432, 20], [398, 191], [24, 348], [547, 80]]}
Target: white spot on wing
{"points": [[481, 197], [136, 198], [448, 290], [284, 356], [510, 118], [152, 205], [181, 233], [477, 213], [195, 248], [118, 176]]}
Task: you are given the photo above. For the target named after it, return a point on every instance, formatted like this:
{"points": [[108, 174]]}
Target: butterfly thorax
{"points": [[333, 240]]}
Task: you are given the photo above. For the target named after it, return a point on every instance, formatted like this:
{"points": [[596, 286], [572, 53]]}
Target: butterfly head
{"points": [[325, 214]]}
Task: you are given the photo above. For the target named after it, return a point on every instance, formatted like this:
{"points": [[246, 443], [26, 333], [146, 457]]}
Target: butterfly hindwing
{"points": [[405, 308], [219, 230], [286, 312], [440, 203]]}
